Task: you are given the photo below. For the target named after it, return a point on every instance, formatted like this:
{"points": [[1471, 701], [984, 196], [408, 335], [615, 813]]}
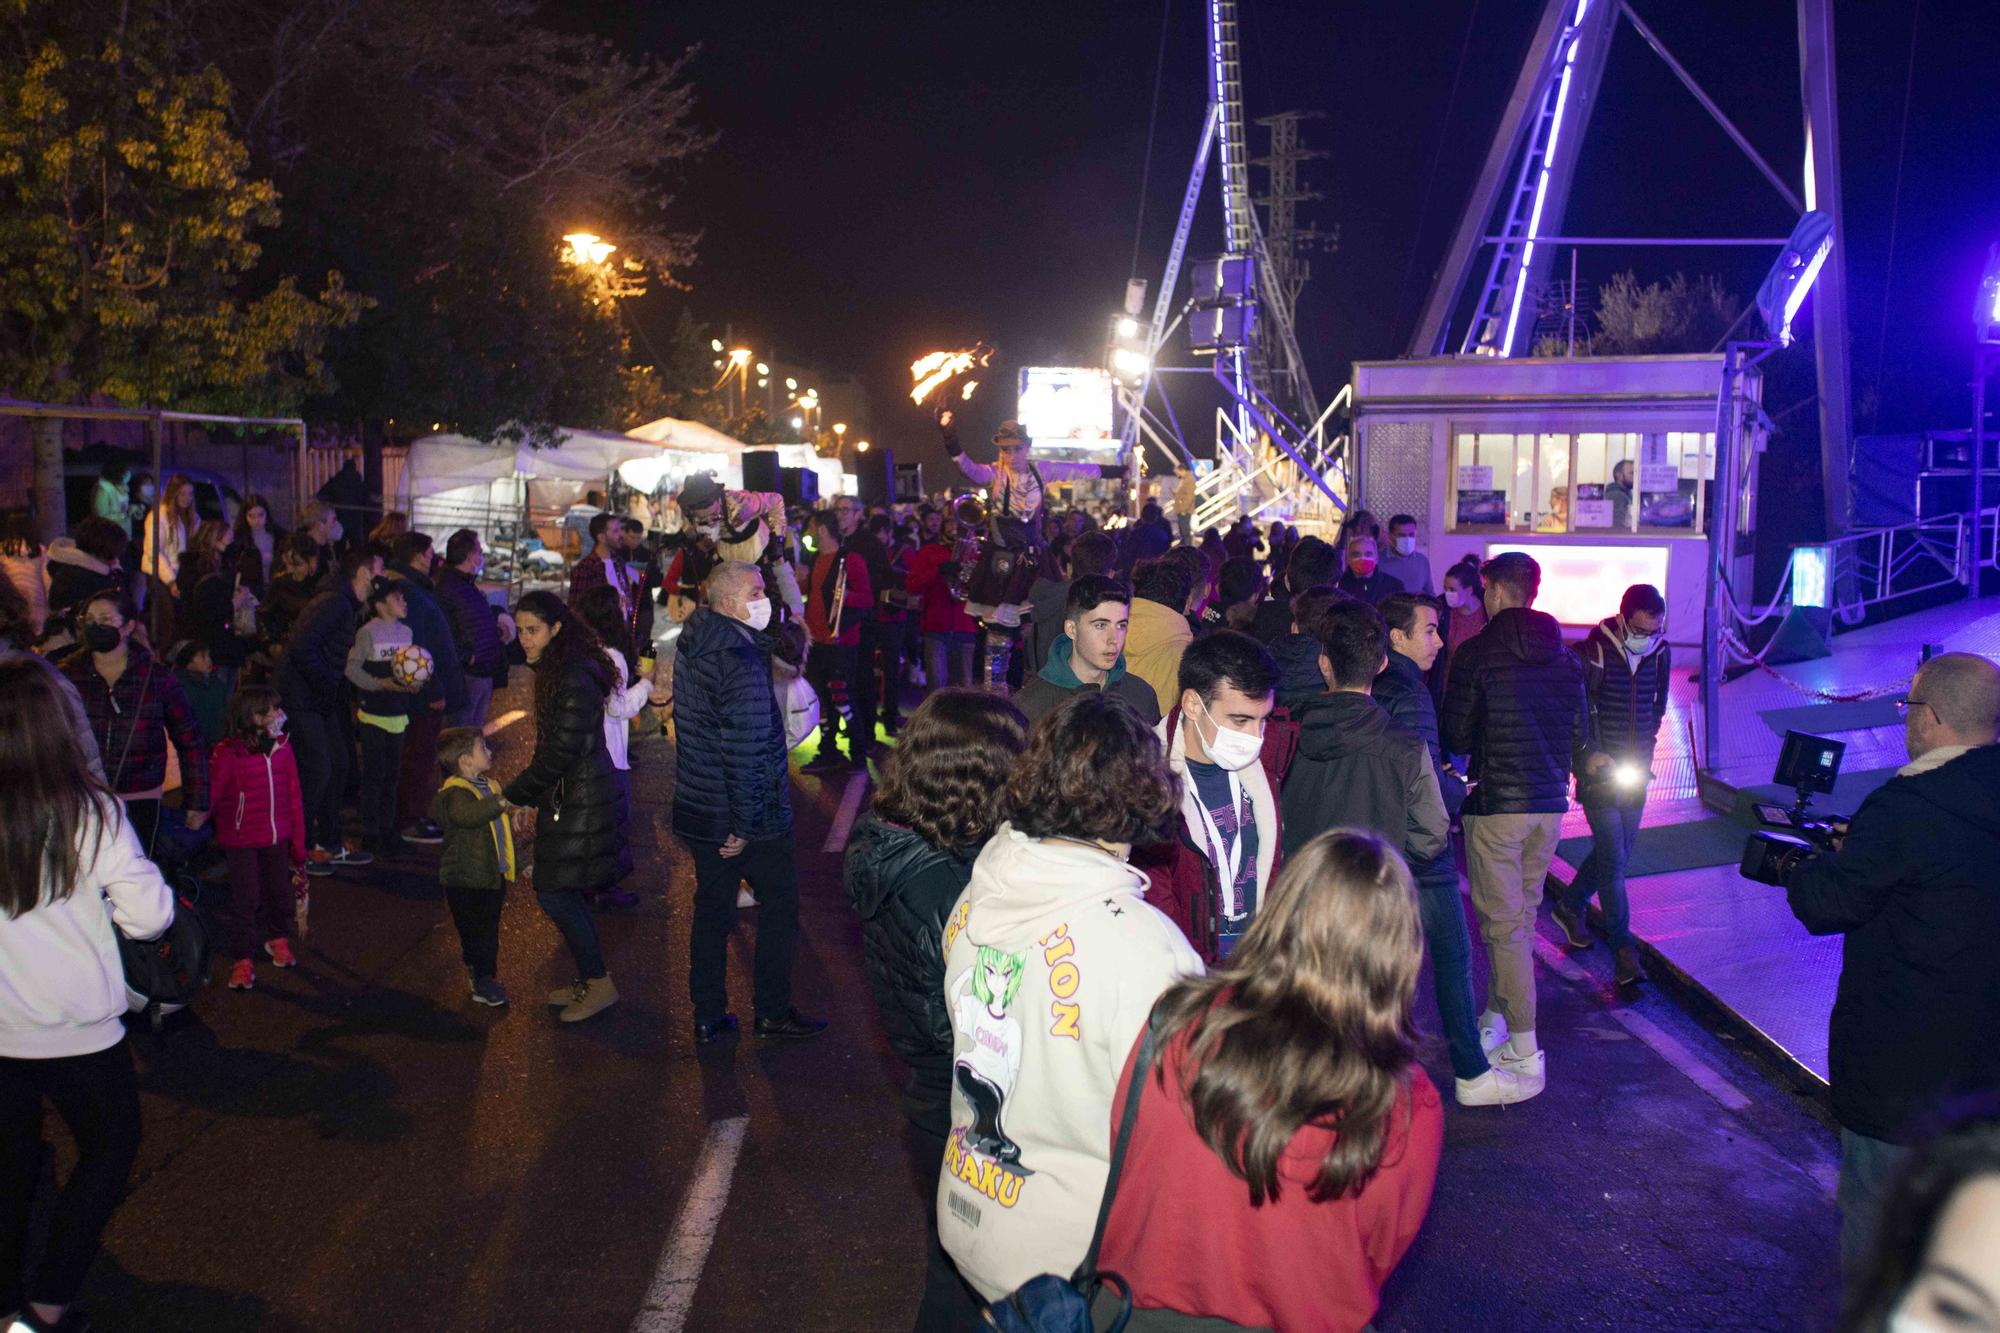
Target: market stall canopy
{"points": [[690, 436], [444, 462]]}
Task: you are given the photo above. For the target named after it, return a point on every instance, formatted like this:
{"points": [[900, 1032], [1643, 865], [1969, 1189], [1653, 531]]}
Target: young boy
{"points": [[383, 709], [478, 856]]}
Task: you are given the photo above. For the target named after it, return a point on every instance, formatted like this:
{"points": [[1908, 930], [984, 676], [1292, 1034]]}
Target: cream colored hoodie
{"points": [[1053, 960]]}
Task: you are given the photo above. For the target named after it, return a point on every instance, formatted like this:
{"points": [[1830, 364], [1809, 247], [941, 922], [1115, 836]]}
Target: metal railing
{"points": [[1279, 482], [1878, 565]]}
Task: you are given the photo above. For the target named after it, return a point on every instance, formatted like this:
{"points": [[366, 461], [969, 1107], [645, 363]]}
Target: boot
{"points": [[566, 994], [1630, 972], [595, 996]]}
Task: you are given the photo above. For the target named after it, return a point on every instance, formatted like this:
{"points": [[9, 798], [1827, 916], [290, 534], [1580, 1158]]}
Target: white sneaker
{"points": [[1498, 1086], [1531, 1070], [1490, 1038]]}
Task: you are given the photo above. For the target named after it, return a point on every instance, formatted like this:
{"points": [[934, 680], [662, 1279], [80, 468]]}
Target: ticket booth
{"points": [[1602, 468]]}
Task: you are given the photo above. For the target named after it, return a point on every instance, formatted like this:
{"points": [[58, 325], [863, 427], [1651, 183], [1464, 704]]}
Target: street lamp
{"points": [[715, 344], [840, 428], [739, 355], [586, 248], [862, 447]]}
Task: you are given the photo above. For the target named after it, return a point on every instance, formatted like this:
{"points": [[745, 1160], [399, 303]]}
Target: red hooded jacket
{"points": [[254, 798]]}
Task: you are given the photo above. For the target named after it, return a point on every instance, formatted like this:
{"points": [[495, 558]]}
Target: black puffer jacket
{"points": [[1515, 704], [314, 670], [1298, 670], [729, 737], [1406, 697], [1358, 768], [578, 794], [904, 888], [1912, 891], [1627, 698], [475, 626]]}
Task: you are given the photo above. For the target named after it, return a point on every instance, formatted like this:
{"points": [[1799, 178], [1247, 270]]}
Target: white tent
{"points": [[448, 462], [671, 433]]}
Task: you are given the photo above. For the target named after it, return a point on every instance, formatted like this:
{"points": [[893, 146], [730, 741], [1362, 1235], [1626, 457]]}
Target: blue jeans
{"points": [[1443, 916], [1866, 1166], [571, 915], [1613, 831], [478, 698]]}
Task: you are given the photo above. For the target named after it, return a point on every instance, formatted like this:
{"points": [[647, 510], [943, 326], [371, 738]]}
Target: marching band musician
{"points": [[838, 600]]}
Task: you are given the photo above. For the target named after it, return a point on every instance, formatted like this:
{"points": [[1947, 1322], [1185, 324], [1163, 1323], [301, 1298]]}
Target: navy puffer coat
{"points": [[1628, 699], [1515, 704], [578, 794], [729, 736]]}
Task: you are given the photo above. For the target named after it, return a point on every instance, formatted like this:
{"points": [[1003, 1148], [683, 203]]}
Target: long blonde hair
{"points": [[1309, 1021], [168, 516]]}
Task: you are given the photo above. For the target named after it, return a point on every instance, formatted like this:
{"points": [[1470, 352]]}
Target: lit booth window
{"points": [[1603, 469]]}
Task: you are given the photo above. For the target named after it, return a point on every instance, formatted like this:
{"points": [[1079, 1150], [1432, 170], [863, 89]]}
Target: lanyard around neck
{"points": [[1228, 853]]}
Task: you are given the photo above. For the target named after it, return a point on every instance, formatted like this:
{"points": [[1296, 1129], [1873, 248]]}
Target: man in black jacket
{"points": [[1356, 767], [1626, 664], [1414, 645], [479, 631], [1912, 888], [1364, 578], [311, 684], [416, 785], [1515, 704], [732, 803]]}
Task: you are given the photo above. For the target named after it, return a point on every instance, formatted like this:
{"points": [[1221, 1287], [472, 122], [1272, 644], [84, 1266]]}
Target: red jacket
{"points": [[254, 798], [860, 599], [943, 613], [1183, 1233], [1184, 884]]}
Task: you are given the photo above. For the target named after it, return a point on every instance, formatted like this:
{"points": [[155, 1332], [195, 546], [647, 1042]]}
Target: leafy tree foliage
{"points": [[1659, 319]]}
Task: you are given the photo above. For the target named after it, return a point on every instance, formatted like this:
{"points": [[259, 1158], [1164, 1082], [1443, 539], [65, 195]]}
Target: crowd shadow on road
{"points": [[118, 1299]]}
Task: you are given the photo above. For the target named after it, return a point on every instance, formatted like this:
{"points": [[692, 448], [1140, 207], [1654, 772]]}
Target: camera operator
{"points": [[1910, 883]]}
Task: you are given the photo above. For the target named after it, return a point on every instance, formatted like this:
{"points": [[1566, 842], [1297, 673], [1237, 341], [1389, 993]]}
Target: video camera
{"points": [[1807, 764]]}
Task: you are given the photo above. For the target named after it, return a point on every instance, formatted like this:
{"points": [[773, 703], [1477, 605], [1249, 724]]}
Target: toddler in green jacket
{"points": [[478, 858]]}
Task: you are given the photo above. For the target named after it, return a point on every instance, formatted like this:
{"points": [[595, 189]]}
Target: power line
{"points": [[1152, 123]]}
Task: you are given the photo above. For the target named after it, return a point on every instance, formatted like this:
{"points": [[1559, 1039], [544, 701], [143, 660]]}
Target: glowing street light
{"points": [[739, 355], [1128, 327], [862, 447], [715, 344], [791, 384], [798, 423], [763, 369], [586, 248], [840, 428]]}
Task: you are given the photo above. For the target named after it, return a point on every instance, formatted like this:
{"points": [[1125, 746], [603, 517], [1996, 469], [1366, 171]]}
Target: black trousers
{"points": [[767, 866], [98, 1098], [320, 744], [381, 761], [882, 655], [476, 913], [949, 1305], [826, 664]]}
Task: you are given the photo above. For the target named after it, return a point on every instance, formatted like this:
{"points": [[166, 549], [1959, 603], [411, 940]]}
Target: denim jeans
{"points": [[571, 915], [1450, 943], [1866, 1166], [948, 658], [478, 698], [768, 868], [1613, 831]]}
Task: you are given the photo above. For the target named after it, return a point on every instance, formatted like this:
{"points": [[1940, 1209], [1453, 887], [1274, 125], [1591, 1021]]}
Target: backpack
{"points": [[173, 969], [1050, 1304]]}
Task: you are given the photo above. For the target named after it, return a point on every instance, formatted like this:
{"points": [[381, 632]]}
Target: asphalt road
{"points": [[353, 1145]]}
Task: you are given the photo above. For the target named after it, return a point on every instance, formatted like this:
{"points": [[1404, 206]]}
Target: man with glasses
{"points": [[1910, 884], [1626, 668]]}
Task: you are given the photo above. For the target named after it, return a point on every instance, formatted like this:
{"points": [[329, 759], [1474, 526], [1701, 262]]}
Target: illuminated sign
{"points": [[1066, 405], [1582, 584]]}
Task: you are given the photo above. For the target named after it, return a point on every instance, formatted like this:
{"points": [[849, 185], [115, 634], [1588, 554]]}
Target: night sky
{"points": [[896, 177]]}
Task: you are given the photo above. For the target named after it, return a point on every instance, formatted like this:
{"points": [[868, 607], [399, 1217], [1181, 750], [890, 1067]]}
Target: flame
{"points": [[937, 369], [970, 385]]}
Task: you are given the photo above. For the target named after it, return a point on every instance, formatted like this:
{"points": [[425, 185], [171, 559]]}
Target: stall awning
{"points": [[442, 462], [688, 436]]}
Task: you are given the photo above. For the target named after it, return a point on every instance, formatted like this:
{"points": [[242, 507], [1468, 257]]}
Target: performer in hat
{"points": [[1014, 482]]}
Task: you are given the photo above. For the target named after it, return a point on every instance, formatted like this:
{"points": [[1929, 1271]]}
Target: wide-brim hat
{"points": [[1011, 432]]}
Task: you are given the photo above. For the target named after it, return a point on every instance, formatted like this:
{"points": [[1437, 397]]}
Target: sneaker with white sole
{"points": [[1498, 1086], [1531, 1070], [489, 991], [351, 856]]}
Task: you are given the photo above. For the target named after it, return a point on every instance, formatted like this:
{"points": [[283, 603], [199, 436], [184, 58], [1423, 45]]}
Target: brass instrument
{"points": [[839, 592], [971, 544]]}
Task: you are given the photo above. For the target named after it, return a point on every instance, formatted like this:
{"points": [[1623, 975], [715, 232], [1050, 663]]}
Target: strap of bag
{"points": [[1141, 1071]]}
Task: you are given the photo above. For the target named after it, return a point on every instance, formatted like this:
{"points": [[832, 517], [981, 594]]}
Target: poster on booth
{"points": [[1590, 509]]}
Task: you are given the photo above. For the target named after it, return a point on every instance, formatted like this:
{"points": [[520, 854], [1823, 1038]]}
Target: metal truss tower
{"points": [[1514, 220], [1287, 244]]}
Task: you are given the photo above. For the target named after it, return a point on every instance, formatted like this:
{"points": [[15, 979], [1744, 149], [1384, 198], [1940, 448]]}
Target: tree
{"points": [[128, 235], [1663, 319]]}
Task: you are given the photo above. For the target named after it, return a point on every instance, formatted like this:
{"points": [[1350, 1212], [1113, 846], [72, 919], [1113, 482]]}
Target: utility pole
{"points": [[1286, 243]]}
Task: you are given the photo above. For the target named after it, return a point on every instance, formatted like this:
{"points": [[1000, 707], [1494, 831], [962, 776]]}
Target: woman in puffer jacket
{"points": [[907, 864], [574, 788], [70, 869]]}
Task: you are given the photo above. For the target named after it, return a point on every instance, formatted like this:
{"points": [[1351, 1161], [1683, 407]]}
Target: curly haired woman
{"points": [[1052, 960], [907, 864]]}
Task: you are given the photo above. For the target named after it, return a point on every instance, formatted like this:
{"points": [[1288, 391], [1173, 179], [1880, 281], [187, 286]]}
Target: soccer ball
{"points": [[411, 665]]}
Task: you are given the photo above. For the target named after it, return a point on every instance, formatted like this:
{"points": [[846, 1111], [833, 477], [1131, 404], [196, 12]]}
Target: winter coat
{"points": [[927, 579], [1057, 681], [580, 827], [1912, 890], [1049, 599], [475, 626], [1377, 588], [474, 845], [904, 889], [1627, 697], [284, 601], [62, 986], [254, 797], [133, 722], [368, 670], [433, 634], [1515, 704], [729, 734], [209, 618], [1182, 880], [75, 574], [314, 670], [858, 600], [1406, 697], [1153, 647], [1298, 670], [1053, 961], [1359, 768]]}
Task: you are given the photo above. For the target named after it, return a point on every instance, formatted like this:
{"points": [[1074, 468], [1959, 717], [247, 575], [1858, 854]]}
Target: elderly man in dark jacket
{"points": [[409, 565], [1911, 887], [732, 803], [476, 628], [1515, 704], [311, 681]]}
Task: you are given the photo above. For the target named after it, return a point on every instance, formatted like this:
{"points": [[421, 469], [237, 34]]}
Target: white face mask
{"points": [[1406, 545], [760, 613], [1230, 749], [1640, 644], [1455, 598], [276, 726]]}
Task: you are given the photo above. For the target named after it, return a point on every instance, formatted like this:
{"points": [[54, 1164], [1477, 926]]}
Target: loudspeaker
{"points": [[760, 470], [910, 483], [875, 476], [799, 486]]}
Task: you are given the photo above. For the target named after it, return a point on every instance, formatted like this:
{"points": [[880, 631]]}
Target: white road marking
{"points": [[504, 721], [671, 1294], [843, 819], [1667, 1046]]}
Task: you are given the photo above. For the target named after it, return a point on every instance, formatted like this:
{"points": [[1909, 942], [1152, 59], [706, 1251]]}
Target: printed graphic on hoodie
{"points": [[986, 1072]]}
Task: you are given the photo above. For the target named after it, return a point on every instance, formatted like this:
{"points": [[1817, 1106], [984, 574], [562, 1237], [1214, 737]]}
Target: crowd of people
{"points": [[1146, 885]]}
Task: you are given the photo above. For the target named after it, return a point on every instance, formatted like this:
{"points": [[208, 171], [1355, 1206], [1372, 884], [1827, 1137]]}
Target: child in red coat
{"points": [[260, 825]]}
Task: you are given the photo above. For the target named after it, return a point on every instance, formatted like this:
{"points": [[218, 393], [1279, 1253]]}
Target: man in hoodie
{"points": [[1089, 654], [1160, 629], [1210, 874], [733, 806], [1365, 579], [1356, 766], [1297, 653], [1515, 704], [1626, 664], [1910, 886]]}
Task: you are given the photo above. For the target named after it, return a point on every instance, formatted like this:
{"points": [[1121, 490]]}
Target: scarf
{"points": [[503, 832]]}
